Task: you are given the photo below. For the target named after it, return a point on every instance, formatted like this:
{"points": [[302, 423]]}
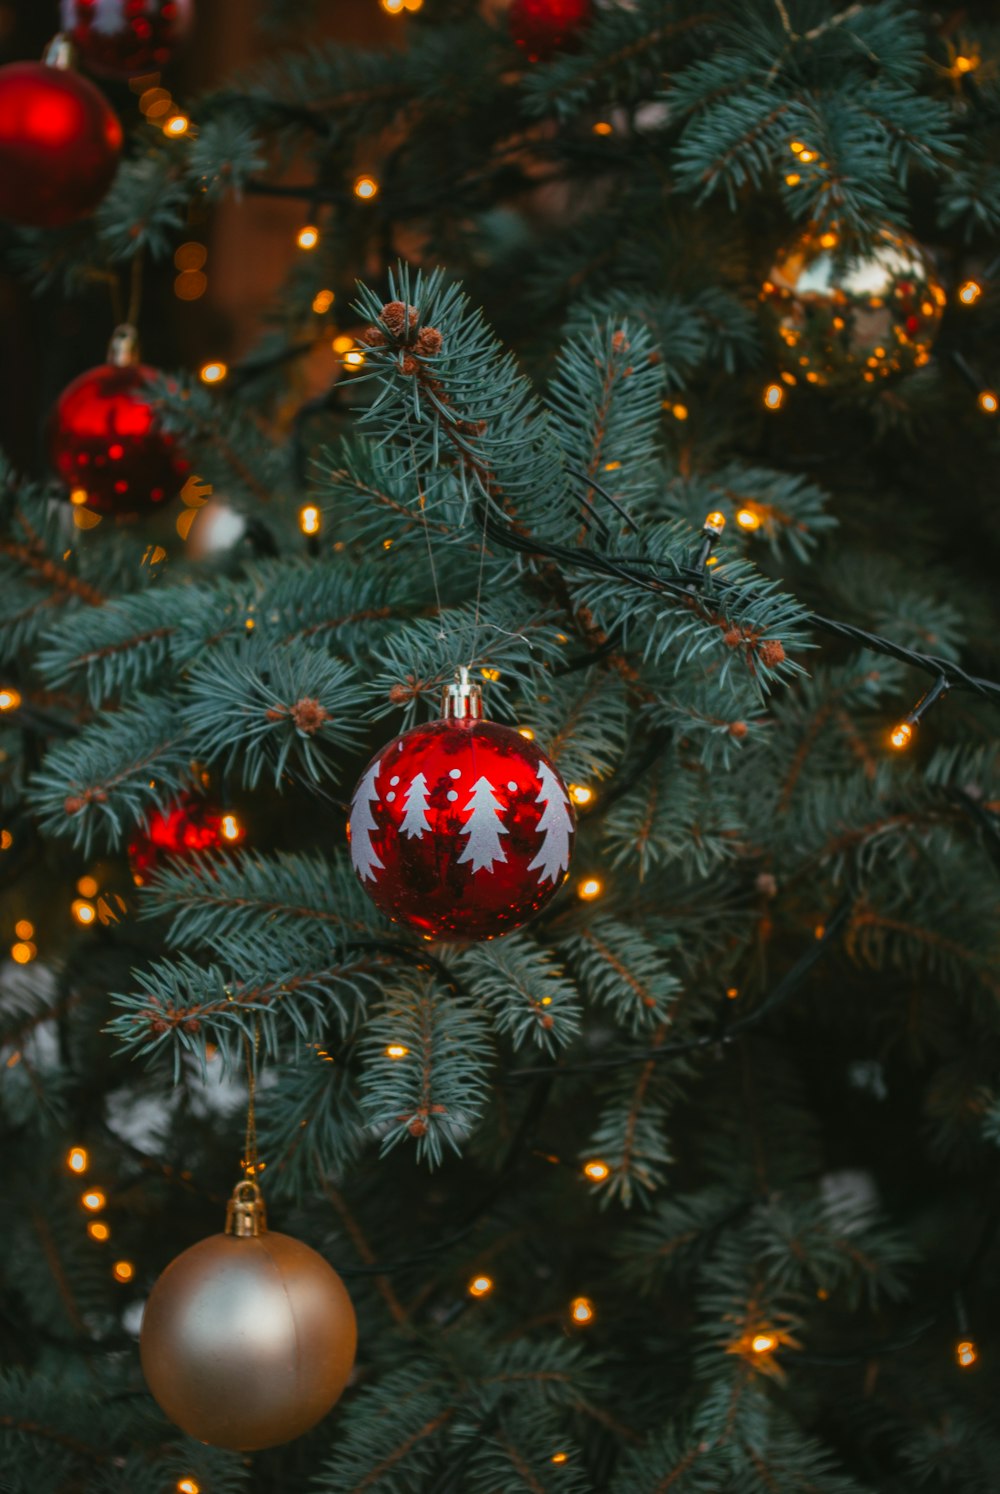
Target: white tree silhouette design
{"points": [[483, 828], [555, 825], [363, 857]]}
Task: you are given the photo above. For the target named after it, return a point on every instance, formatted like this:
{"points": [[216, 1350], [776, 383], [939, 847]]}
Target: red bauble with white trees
{"points": [[541, 28], [107, 443], [60, 142], [462, 828], [121, 38]]}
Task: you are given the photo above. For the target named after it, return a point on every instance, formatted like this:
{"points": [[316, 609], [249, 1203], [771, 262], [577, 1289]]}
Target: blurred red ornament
{"points": [[121, 38], [60, 141], [186, 828], [543, 27], [461, 828], [106, 441]]}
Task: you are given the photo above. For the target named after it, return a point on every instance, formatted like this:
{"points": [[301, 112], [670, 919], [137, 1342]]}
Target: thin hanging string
{"points": [[479, 581], [251, 1165], [135, 292], [422, 501]]}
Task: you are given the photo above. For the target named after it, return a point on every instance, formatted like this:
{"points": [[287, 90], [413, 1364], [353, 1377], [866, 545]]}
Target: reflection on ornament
{"points": [[60, 141], [843, 320], [123, 38], [248, 1338], [461, 827], [185, 829]]}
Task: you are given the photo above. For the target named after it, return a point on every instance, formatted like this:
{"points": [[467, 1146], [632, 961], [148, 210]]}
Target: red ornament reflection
{"points": [[60, 141], [107, 443]]}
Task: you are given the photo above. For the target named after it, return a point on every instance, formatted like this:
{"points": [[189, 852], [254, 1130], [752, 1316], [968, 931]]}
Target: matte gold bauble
{"points": [[847, 320], [248, 1338]]}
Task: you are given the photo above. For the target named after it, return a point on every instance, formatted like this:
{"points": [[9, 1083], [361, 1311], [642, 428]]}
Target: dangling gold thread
{"points": [[251, 1164]]}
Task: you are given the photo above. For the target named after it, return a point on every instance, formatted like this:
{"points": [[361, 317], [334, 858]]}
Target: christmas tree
{"points": [[611, 386]]}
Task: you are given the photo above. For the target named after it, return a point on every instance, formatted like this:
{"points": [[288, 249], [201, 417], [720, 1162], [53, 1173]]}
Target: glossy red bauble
{"points": [[122, 38], [187, 828], [60, 141], [541, 28], [461, 829], [107, 444]]}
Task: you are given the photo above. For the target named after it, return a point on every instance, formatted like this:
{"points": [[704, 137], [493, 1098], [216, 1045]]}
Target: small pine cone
{"points": [[73, 805], [309, 715], [766, 885], [157, 1025], [417, 1127], [408, 364], [771, 652], [619, 342], [192, 1025], [405, 690], [275, 713], [548, 1022], [738, 729], [732, 638], [373, 337], [393, 318], [429, 341]]}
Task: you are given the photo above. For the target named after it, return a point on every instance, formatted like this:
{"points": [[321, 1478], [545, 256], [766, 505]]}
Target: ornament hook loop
{"points": [[123, 349], [463, 698], [246, 1216]]}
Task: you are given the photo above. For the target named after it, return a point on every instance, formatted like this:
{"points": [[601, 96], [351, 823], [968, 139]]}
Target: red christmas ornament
{"points": [[121, 38], [106, 442], [60, 141], [543, 27], [461, 828], [187, 828]]}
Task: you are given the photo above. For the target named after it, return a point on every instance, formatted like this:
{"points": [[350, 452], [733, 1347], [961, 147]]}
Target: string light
{"points": [[307, 237], [792, 179], [966, 1353], [188, 1486], [480, 1286], [970, 292], [965, 64], [212, 373], [123, 1271], [322, 301], [559, 1457], [177, 124], [796, 147], [763, 1343], [580, 793], [83, 911], [901, 736], [342, 343], [354, 359], [396, 1050], [6, 840], [679, 412], [581, 1310], [77, 1159], [987, 403], [93, 1200], [87, 886], [596, 1170], [10, 698], [526, 732], [230, 827], [310, 519], [24, 928], [490, 674], [603, 127], [828, 240], [774, 397], [412, 5], [748, 519], [732, 992], [715, 522], [98, 1230], [394, 7], [22, 953], [190, 285], [589, 888], [366, 187]]}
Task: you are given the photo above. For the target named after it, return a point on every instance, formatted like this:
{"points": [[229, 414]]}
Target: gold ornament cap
{"points": [[463, 698], [246, 1217]]}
